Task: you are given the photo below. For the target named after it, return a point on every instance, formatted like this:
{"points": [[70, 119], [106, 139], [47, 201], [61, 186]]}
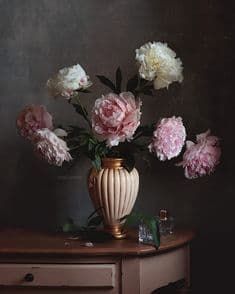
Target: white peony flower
{"points": [[51, 148], [158, 63], [68, 80]]}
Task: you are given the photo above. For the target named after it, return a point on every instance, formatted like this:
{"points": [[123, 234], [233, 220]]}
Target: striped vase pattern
{"points": [[114, 190]]}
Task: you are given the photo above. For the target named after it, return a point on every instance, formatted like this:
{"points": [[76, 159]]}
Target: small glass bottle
{"points": [[145, 236], [166, 223]]}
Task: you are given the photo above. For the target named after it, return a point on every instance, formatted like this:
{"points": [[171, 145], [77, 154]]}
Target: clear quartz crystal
{"points": [[166, 223], [145, 235]]}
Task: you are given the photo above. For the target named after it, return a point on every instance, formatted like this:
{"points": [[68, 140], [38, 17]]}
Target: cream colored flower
{"points": [[68, 80], [158, 63]]}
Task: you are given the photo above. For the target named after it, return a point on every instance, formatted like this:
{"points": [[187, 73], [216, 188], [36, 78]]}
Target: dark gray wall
{"points": [[39, 37]]}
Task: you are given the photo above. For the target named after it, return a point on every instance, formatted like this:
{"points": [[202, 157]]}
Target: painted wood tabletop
{"points": [[24, 242]]}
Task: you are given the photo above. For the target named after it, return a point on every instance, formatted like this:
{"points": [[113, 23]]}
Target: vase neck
{"points": [[112, 162]]}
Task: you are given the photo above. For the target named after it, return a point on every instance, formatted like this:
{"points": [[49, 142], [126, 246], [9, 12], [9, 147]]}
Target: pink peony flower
{"points": [[201, 158], [51, 148], [116, 117], [168, 138], [33, 118]]}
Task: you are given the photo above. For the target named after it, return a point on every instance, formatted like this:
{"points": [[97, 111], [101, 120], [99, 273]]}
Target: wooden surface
{"points": [[22, 242], [55, 275]]}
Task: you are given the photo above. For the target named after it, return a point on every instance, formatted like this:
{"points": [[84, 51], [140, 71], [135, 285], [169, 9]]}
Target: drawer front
{"points": [[79, 275]]}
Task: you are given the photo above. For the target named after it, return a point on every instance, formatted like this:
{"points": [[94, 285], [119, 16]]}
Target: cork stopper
{"points": [[163, 214]]}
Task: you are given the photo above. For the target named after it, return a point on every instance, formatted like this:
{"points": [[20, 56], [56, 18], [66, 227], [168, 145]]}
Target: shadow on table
{"points": [[174, 288]]}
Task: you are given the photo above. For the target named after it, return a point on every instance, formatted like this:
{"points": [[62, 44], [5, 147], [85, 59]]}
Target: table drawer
{"points": [[58, 275]]}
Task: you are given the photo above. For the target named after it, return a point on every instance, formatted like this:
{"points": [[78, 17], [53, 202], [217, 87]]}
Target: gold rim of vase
{"points": [[109, 162]]}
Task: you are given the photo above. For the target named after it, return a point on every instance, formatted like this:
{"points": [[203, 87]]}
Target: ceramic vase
{"points": [[113, 191]]}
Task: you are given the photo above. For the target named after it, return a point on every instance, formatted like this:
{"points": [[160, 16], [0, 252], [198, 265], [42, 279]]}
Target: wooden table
{"points": [[33, 262]]}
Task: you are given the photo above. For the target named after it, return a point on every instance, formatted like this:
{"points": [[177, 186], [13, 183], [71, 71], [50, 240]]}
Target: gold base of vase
{"points": [[116, 231]]}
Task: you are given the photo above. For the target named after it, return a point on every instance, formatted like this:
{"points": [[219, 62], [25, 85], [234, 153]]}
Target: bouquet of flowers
{"points": [[113, 127]]}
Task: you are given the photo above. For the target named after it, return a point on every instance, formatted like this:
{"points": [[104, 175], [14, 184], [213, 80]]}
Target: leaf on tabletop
{"points": [[132, 218], [153, 227], [95, 221], [69, 226]]}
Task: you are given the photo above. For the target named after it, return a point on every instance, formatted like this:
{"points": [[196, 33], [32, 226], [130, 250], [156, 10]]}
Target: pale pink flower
{"points": [[200, 159], [115, 118], [51, 148], [168, 138], [33, 118]]}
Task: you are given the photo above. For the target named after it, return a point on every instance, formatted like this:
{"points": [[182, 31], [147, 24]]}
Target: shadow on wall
{"points": [[39, 37]]}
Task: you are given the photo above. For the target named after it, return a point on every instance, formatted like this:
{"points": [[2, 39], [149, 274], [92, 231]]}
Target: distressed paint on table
{"points": [[116, 266]]}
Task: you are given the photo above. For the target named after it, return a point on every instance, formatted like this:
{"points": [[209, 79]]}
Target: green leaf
{"points": [[77, 130], [84, 91], [129, 162], [147, 92], [101, 149], [132, 83], [146, 131], [90, 146], [132, 218], [153, 227], [94, 212], [69, 226], [107, 82], [97, 162], [149, 221], [78, 108], [118, 80], [98, 236], [95, 221]]}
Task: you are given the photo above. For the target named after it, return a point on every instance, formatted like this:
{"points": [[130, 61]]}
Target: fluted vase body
{"points": [[114, 190]]}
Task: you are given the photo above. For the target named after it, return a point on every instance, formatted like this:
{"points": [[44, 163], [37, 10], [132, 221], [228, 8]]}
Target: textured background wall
{"points": [[39, 37]]}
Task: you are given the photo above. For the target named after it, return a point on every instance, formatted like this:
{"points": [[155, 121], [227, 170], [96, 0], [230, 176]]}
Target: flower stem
{"points": [[74, 148], [81, 110]]}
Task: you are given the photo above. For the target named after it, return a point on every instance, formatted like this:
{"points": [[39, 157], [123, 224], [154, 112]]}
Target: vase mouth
{"points": [[112, 162]]}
